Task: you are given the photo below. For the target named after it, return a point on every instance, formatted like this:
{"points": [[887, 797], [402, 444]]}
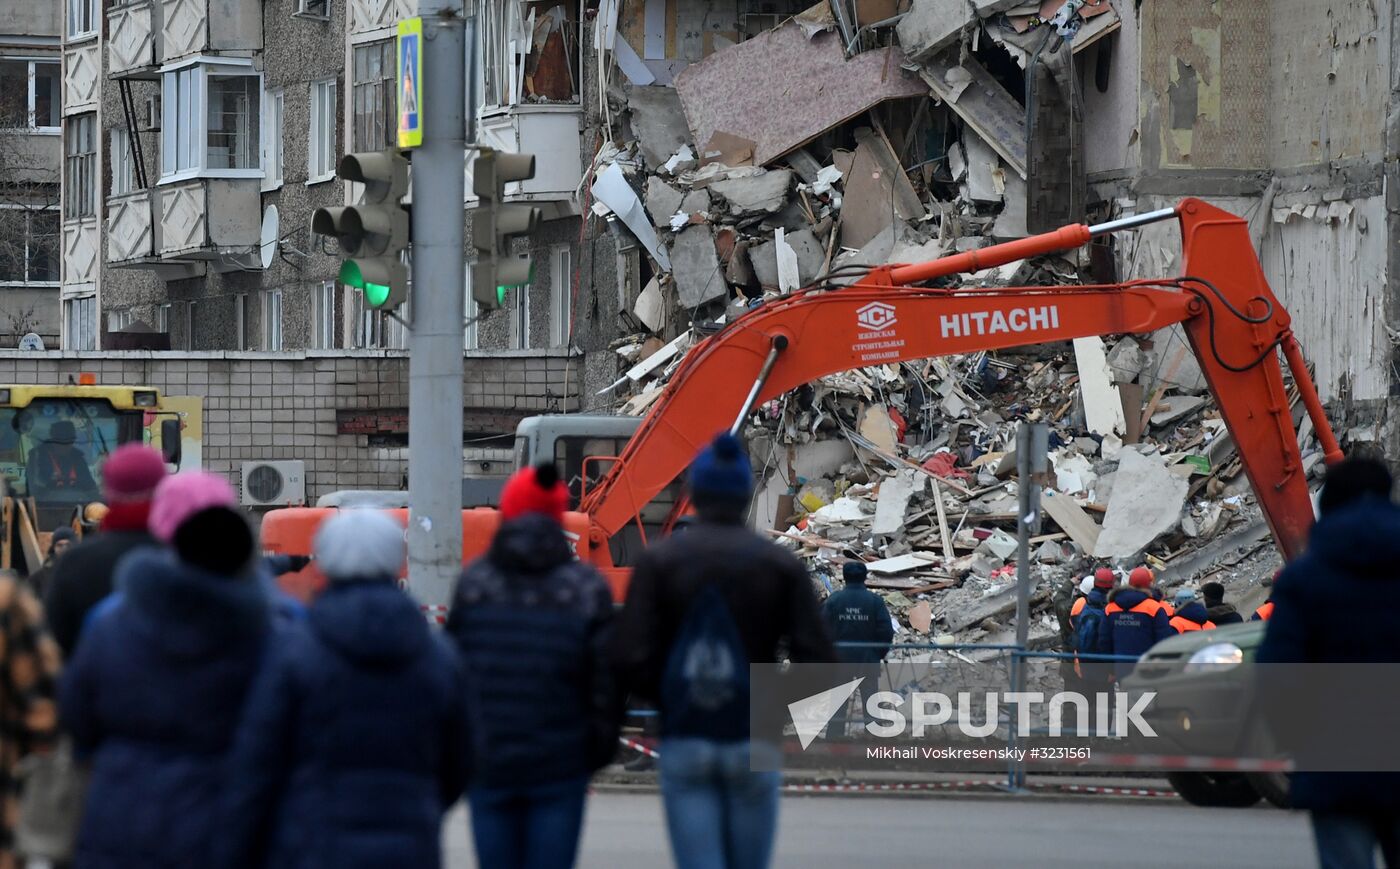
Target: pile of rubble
{"points": [[823, 142]]}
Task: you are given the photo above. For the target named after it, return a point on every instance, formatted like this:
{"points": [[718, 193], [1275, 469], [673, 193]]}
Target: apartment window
{"points": [[561, 297], [272, 140], [123, 176], [80, 316], [240, 321], [211, 121], [520, 318], [119, 320], [323, 316], [82, 18], [29, 95], [272, 320], [80, 164], [471, 339], [506, 73], [29, 244], [373, 96], [320, 161], [163, 319]]}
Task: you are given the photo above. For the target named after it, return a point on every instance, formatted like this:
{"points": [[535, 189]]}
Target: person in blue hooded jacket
{"points": [[1133, 622], [352, 745], [1349, 564], [156, 688], [858, 616]]}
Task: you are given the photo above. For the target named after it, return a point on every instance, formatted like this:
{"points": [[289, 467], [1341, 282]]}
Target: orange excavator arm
{"points": [[1231, 317]]}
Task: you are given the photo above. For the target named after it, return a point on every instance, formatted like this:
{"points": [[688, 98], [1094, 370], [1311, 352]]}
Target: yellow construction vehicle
{"points": [[53, 442]]}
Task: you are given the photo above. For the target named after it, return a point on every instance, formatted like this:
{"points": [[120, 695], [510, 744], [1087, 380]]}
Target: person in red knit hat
{"points": [[84, 576], [532, 623]]}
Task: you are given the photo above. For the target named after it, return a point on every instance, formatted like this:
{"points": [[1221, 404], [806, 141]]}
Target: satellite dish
{"points": [[31, 341], [267, 239]]}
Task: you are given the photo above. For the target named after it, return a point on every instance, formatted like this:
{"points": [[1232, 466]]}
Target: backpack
{"points": [[705, 686], [1086, 629]]}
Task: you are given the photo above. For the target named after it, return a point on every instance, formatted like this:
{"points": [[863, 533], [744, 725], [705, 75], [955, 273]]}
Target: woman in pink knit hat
{"points": [[155, 691]]}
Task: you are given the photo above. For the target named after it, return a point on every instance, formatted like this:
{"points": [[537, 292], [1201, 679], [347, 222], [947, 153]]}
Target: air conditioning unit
{"points": [[274, 484], [152, 114], [316, 10]]}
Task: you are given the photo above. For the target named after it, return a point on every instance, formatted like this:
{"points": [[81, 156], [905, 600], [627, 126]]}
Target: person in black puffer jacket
{"points": [[158, 683], [352, 745], [532, 624]]}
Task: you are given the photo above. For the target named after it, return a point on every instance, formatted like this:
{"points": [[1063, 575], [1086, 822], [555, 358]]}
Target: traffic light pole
{"points": [[435, 349]]}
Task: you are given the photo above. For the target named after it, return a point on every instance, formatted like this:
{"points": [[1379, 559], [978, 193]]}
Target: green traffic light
{"points": [[375, 294]]}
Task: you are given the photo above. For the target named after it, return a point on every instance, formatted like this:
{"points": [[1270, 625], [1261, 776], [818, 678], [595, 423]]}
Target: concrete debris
{"points": [[781, 180], [1147, 502]]}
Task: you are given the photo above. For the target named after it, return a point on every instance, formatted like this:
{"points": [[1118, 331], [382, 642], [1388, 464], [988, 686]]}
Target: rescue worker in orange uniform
{"points": [[1102, 580], [1265, 611], [1133, 622], [1191, 614]]}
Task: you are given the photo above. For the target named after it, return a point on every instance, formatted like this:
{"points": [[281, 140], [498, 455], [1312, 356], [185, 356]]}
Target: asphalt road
{"points": [[626, 830]]}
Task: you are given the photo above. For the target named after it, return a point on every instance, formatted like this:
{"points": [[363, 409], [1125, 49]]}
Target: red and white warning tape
{"points": [[435, 613], [889, 787], [1193, 762], [639, 746], [1118, 792]]}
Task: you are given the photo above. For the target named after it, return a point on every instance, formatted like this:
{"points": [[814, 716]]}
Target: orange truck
{"points": [[1236, 326]]}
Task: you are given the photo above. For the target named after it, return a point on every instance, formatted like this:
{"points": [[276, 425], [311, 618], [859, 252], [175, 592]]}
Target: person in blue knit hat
{"points": [[701, 607]]}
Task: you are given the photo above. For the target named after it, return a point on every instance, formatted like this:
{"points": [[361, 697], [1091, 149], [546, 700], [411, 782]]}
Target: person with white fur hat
{"points": [[353, 743]]}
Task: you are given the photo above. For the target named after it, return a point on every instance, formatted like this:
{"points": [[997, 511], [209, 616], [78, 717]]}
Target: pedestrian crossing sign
{"points": [[410, 83]]}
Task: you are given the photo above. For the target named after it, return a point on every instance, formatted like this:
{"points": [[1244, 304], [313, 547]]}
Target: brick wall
{"points": [[264, 406]]}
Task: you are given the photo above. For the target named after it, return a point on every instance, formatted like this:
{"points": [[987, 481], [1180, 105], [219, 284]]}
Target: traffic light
{"points": [[374, 231], [495, 223]]}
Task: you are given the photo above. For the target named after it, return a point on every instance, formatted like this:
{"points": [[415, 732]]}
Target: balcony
{"points": [[191, 27], [133, 39], [175, 229], [550, 131]]}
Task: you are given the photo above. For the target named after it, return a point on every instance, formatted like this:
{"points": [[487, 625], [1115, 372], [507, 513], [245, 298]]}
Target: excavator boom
{"points": [[1233, 321]]}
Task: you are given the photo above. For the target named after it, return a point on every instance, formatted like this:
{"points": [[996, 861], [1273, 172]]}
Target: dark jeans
{"points": [[1349, 841], [528, 828], [721, 814]]}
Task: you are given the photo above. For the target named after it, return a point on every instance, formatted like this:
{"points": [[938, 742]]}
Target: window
{"points": [[272, 140], [320, 153], [272, 320], [80, 194], [323, 316], [210, 122], [81, 321], [240, 321], [29, 243], [561, 297], [123, 176], [119, 320], [509, 76], [471, 339], [163, 319], [373, 96], [377, 329], [82, 18], [29, 95], [520, 318]]}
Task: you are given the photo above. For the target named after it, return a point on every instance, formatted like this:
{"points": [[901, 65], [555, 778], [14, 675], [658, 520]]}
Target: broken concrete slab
{"points": [[1011, 223], [930, 26], [893, 500], [781, 89], [764, 193], [1103, 406], [612, 190], [840, 511], [876, 426], [1174, 407], [658, 123], [786, 257], [1126, 360], [1146, 503], [902, 563], [695, 266], [1173, 362], [982, 163], [651, 306], [806, 246], [980, 100], [878, 193], [663, 200], [1072, 519]]}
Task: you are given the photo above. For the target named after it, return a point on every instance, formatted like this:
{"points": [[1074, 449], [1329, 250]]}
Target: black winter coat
{"points": [[352, 745], [532, 625], [766, 588], [855, 614], [152, 697], [1349, 564], [82, 578]]}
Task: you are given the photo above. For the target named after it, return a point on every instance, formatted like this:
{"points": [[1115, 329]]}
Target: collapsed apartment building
{"points": [[744, 153]]}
